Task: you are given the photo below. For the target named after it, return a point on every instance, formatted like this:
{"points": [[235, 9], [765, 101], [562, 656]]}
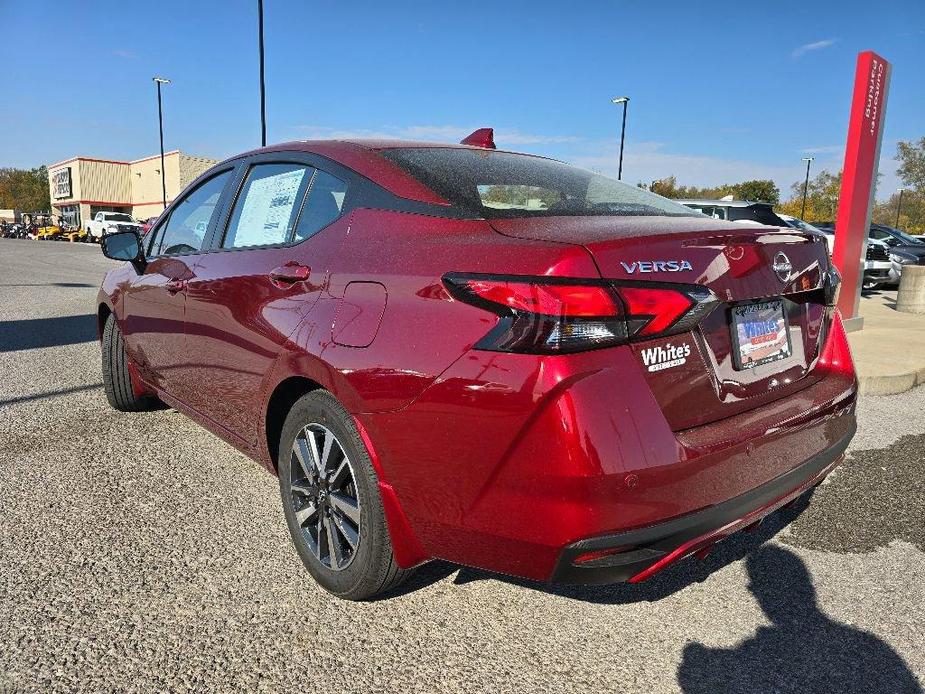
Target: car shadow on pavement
{"points": [[49, 394], [802, 651], [35, 333]]}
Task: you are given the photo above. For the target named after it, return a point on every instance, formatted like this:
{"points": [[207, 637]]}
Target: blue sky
{"points": [[720, 92]]}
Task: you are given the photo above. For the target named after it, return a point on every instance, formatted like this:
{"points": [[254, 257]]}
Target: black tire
{"points": [[116, 380], [371, 570]]}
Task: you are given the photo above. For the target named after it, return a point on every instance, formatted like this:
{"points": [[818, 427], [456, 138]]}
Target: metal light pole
{"points": [[160, 124], [808, 160], [899, 206], [621, 100], [263, 95]]}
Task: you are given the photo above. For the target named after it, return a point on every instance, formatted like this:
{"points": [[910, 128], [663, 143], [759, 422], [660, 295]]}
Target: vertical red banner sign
{"points": [[862, 154]]}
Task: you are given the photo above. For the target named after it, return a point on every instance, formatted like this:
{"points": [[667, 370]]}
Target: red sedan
{"points": [[492, 358]]}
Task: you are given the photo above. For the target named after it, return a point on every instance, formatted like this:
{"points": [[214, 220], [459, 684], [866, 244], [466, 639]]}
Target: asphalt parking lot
{"points": [[139, 552]]}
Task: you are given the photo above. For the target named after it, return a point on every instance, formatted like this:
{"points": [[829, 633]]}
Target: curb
{"points": [[893, 384]]}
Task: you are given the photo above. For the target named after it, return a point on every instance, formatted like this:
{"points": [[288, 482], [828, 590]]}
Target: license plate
{"points": [[760, 334]]}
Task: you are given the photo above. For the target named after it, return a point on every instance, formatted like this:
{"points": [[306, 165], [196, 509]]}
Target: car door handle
{"points": [[290, 273], [175, 285]]}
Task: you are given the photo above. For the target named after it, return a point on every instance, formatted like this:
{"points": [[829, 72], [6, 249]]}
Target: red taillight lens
{"points": [[543, 315], [663, 307], [836, 353], [568, 300]]}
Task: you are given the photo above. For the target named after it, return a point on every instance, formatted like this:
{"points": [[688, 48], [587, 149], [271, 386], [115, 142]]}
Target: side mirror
{"points": [[124, 245]]}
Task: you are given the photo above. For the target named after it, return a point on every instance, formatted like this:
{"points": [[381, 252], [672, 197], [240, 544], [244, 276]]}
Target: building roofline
{"points": [[112, 161], [155, 156]]}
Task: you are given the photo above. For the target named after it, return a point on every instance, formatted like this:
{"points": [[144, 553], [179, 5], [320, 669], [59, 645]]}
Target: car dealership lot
{"points": [[138, 551]]}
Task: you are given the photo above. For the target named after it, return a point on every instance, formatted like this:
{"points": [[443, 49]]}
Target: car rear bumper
{"points": [[523, 458], [635, 555]]}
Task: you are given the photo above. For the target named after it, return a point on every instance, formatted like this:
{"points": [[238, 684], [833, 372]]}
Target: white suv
{"points": [[109, 223]]}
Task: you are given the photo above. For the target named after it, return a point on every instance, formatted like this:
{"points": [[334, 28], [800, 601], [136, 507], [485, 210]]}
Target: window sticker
{"points": [[267, 210]]}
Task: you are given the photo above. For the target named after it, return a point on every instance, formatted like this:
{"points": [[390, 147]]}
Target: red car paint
{"points": [[500, 460]]}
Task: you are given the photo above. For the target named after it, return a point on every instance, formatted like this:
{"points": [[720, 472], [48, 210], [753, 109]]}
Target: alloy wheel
{"points": [[325, 497]]}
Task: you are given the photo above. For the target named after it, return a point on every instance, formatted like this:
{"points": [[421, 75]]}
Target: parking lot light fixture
{"points": [[808, 160], [160, 125], [263, 89], [625, 101]]}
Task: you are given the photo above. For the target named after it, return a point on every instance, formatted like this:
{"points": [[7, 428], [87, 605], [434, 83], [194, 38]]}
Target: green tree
{"points": [[24, 190], [755, 190], [759, 190], [911, 213], [821, 197], [666, 187], [911, 158]]}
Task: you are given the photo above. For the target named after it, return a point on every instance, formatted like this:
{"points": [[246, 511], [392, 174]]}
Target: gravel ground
{"points": [[139, 552]]}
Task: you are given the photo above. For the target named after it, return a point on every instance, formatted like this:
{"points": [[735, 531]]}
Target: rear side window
{"points": [[324, 204], [189, 219], [503, 184], [268, 206], [710, 211], [763, 214]]}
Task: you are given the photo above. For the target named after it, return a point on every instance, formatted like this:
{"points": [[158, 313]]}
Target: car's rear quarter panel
{"points": [[422, 330]]}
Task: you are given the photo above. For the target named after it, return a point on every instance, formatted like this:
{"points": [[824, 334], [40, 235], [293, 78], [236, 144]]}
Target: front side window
{"points": [[189, 219], [268, 206], [503, 184]]}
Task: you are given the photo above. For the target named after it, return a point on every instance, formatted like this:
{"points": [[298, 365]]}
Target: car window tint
{"points": [[189, 219], [268, 205], [324, 204]]}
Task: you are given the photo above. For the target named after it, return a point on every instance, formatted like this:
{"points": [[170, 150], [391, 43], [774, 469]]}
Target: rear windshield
{"points": [[501, 184]]}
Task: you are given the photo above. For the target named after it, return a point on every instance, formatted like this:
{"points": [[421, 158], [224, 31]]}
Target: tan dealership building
{"points": [[82, 186]]}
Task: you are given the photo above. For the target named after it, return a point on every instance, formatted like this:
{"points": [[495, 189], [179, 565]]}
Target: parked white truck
{"points": [[109, 223]]}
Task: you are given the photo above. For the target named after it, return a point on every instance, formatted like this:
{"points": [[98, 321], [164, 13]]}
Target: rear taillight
{"points": [[544, 315]]}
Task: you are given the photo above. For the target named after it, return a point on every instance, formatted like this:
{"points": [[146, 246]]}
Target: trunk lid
{"points": [[743, 265]]}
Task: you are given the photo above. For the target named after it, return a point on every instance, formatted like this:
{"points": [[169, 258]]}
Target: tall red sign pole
{"points": [[862, 154]]}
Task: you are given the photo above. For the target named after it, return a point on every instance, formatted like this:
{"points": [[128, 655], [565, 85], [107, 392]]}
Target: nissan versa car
{"points": [[496, 359]]}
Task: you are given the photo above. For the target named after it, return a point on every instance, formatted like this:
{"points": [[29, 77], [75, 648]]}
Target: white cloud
{"points": [[814, 46], [647, 161]]}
